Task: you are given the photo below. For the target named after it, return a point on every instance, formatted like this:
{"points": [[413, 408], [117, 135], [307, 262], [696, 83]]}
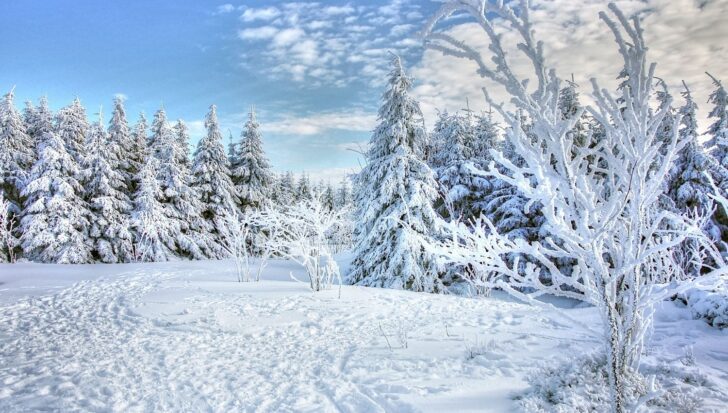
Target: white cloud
{"points": [[337, 10], [225, 8], [683, 38], [258, 33], [265, 14], [287, 37], [314, 124]]}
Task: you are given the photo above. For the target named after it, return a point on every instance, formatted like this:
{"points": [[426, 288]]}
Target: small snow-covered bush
{"points": [[709, 306], [582, 386]]}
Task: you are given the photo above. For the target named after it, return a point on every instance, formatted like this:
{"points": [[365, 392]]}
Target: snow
{"points": [[185, 336]]}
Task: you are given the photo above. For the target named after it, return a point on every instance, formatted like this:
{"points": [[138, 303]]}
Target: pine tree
{"points": [[343, 194], [138, 153], [72, 126], [109, 206], [183, 140], [38, 120], [17, 154], [394, 193], [287, 190], [55, 217], [329, 197], [123, 144], [211, 179], [181, 203], [717, 146], [303, 188], [251, 172], [154, 233]]}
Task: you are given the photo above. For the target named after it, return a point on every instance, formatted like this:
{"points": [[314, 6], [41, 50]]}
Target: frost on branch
{"points": [[598, 201]]}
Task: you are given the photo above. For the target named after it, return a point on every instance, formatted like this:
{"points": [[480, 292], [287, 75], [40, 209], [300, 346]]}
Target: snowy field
{"points": [[185, 336]]}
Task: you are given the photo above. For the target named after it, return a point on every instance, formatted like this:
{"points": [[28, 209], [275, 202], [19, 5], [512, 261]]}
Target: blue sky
{"points": [[314, 71]]}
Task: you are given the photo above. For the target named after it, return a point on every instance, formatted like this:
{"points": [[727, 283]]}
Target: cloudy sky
{"points": [[314, 71]]}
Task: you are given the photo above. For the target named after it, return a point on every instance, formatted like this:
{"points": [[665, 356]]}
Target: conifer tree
{"points": [[287, 189], [181, 204], [55, 217], [17, 154], [394, 192], [211, 179], [303, 188], [251, 172], [154, 234], [717, 146], [183, 140], [343, 193], [72, 126], [138, 153], [123, 145], [105, 191]]}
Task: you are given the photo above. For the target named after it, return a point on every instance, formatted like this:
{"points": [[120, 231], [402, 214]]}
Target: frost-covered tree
{"points": [[211, 179], [251, 171], [286, 189], [394, 195], [182, 206], [38, 120], [328, 196], [155, 235], [717, 146], [138, 153], [17, 154], [105, 192], [122, 141], [9, 241], [343, 193], [55, 217], [603, 217], [183, 140], [303, 188], [72, 126]]}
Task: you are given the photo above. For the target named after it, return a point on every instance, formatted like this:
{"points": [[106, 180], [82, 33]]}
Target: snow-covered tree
{"points": [[303, 188], [17, 154], [717, 146], [182, 206], [155, 235], [285, 189], [211, 179], [343, 193], [302, 233], [105, 192], [605, 218], [38, 120], [394, 195], [122, 142], [183, 140], [8, 240], [72, 126], [251, 171], [138, 153], [328, 197], [55, 218]]}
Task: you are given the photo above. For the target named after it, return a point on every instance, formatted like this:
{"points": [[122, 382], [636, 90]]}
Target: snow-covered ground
{"points": [[185, 336]]}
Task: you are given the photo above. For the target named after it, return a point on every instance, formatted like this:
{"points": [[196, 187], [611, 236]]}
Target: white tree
{"points": [[245, 242], [251, 171], [302, 233], [181, 204], [105, 192], [602, 212], [17, 153], [122, 142], [155, 235], [8, 241], [72, 126], [394, 195], [211, 179], [717, 146], [55, 218], [138, 153], [183, 141]]}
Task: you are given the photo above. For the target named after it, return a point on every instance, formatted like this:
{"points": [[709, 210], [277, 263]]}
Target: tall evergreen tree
{"points": [[343, 194], [17, 154], [154, 233], [181, 204], [138, 153], [717, 146], [303, 188], [394, 195], [105, 192], [183, 140], [251, 171], [287, 189], [72, 126], [122, 143], [211, 179], [55, 219]]}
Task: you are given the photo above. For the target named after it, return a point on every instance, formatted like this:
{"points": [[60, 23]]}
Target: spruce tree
{"points": [[211, 180], [183, 140], [717, 146], [122, 142], [287, 190], [17, 154], [72, 126], [105, 191], [154, 233], [394, 195], [303, 188], [251, 172], [138, 153], [181, 203], [55, 217], [343, 194]]}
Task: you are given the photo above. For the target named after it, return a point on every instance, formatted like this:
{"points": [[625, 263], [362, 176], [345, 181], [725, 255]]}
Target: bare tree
{"points": [[599, 201]]}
